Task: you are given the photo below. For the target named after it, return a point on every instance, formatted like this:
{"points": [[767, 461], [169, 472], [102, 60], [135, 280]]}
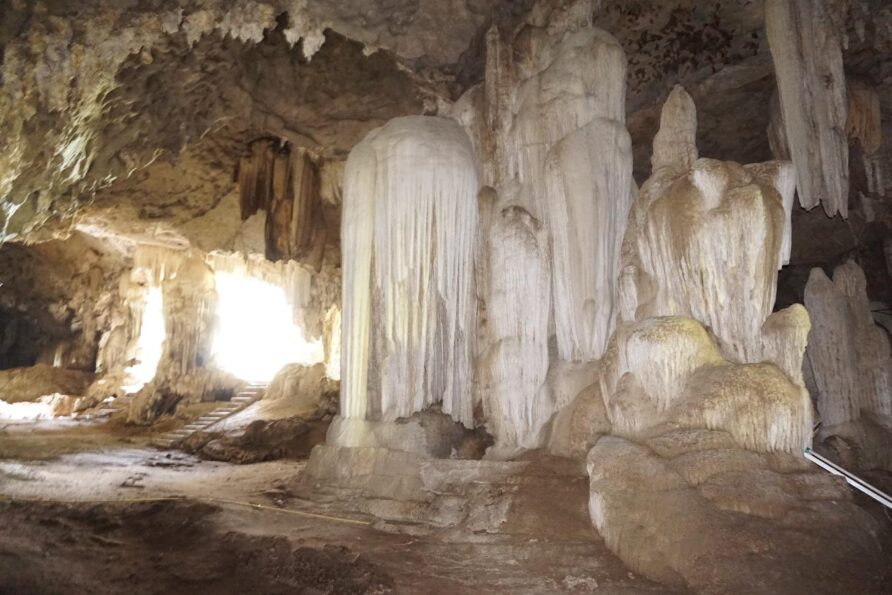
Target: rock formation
{"points": [[666, 372], [284, 184], [409, 231], [518, 305], [806, 47], [848, 362], [693, 511], [537, 243], [549, 125], [706, 238]]}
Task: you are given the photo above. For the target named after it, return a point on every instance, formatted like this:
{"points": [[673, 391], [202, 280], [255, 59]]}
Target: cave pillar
{"points": [[409, 231]]}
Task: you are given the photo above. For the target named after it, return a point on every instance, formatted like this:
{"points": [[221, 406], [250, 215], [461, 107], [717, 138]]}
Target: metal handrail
{"points": [[853, 480]]}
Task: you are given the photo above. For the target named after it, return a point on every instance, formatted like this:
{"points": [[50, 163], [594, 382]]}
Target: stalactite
{"points": [[849, 355], [255, 177], [518, 306], [278, 218], [306, 239], [864, 117], [865, 127], [806, 50], [409, 231], [285, 183]]}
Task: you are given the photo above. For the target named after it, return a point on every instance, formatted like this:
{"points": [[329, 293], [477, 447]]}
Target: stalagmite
{"points": [[707, 241], [675, 144], [848, 355], [589, 186], [664, 373], [409, 231], [784, 338], [518, 302], [806, 49]]}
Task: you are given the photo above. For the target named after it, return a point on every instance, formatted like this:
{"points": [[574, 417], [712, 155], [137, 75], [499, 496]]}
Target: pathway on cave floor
{"points": [[426, 563]]}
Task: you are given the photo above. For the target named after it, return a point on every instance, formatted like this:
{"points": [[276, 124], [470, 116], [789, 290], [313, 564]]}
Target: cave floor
{"points": [[86, 509]]}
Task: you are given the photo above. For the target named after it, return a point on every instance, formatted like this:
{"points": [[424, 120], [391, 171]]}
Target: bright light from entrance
{"points": [[256, 334], [149, 344]]}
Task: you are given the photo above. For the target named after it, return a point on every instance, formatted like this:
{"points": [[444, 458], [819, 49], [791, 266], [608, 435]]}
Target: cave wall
{"points": [[58, 300]]}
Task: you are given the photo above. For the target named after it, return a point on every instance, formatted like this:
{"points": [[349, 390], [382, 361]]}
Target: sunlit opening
{"points": [[255, 334], [149, 344], [25, 411]]}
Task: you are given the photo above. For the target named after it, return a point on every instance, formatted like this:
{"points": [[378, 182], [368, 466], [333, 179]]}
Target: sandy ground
{"points": [[79, 514]]}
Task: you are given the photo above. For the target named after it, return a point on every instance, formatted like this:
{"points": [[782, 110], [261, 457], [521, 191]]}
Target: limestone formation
{"points": [[667, 372], [298, 391], [409, 231], [706, 241], [507, 273], [848, 355], [675, 144], [549, 125], [518, 306], [284, 184], [692, 511], [29, 384], [807, 53], [590, 190], [865, 127]]}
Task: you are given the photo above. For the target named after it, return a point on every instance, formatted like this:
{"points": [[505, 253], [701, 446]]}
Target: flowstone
{"points": [[409, 229]]}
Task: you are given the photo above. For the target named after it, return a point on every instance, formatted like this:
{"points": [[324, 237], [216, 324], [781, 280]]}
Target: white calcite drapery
{"points": [[807, 52], [707, 237], [549, 124], [590, 190], [571, 154], [409, 229], [518, 306]]}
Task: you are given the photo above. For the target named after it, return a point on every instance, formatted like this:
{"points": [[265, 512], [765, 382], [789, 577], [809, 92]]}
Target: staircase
{"points": [[248, 395]]}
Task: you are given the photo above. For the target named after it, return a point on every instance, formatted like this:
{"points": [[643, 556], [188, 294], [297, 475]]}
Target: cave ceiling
{"points": [[129, 118]]}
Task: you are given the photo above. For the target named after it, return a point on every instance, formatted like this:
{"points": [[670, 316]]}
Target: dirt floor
{"points": [[166, 547], [89, 510]]}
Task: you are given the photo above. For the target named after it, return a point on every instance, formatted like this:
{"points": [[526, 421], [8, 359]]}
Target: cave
{"points": [[537, 296]]}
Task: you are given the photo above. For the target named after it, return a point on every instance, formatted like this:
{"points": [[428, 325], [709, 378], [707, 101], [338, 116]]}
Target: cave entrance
{"points": [[255, 333]]}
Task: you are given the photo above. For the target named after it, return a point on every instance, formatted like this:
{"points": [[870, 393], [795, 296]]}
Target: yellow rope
{"points": [[195, 498]]}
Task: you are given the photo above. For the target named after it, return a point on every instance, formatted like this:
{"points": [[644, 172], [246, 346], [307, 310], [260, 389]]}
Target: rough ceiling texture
{"points": [[133, 115]]}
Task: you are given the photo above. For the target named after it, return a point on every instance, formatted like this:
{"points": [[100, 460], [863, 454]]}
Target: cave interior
{"points": [[425, 296]]}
